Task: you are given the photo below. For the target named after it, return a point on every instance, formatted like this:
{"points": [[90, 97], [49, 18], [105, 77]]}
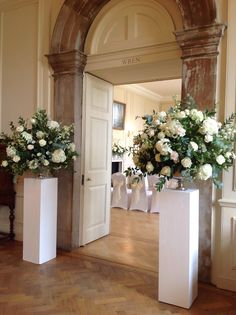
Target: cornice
{"points": [[68, 62], [200, 41]]}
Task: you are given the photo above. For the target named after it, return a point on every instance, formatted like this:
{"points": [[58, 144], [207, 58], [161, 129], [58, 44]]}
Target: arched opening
{"points": [[198, 42]]}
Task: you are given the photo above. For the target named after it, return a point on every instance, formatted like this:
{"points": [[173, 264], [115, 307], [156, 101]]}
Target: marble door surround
{"points": [[198, 40]]}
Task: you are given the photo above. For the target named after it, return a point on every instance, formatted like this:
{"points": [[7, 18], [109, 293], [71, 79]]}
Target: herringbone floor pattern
{"points": [[88, 286]]}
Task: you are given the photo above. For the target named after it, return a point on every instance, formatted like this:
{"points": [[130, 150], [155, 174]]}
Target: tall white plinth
{"points": [[40, 219], [178, 247]]}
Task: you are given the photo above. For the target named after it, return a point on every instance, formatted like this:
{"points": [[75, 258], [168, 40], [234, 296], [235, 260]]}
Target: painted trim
{"points": [[15, 4], [228, 203]]}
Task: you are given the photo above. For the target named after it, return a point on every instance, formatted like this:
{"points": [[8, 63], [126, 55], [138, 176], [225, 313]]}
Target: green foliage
{"points": [[44, 146]]}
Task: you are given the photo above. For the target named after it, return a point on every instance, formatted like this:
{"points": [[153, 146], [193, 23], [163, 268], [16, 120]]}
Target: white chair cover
{"points": [[119, 194], [155, 204], [139, 200]]}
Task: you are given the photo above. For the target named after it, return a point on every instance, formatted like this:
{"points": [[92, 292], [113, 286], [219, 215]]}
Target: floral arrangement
{"points": [[184, 140], [118, 149], [44, 146]]}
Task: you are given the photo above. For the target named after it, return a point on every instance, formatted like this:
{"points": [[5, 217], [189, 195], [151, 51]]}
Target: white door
{"points": [[96, 155]]}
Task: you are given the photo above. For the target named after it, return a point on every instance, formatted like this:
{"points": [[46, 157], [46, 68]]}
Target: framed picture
{"points": [[118, 115]]}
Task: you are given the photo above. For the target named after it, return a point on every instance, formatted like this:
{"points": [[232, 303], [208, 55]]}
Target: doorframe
{"points": [[199, 43]]}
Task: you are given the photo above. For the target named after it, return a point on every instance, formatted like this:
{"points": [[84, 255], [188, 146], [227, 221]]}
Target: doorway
{"points": [[133, 235]]}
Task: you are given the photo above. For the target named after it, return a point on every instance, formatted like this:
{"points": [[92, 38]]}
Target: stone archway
{"points": [[198, 40]]}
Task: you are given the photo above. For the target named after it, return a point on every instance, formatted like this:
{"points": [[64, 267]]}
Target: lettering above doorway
{"points": [[131, 60]]}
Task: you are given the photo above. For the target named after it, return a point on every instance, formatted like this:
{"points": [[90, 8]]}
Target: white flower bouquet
{"points": [[184, 140], [45, 146], [118, 149]]}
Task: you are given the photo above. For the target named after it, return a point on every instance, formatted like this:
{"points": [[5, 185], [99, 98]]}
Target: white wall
{"points": [[26, 27], [137, 104]]}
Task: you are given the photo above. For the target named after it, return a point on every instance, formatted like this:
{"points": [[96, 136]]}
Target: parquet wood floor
{"points": [[133, 240], [84, 285]]}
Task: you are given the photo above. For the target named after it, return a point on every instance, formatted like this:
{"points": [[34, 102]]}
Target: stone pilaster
{"points": [[68, 86], [199, 54]]}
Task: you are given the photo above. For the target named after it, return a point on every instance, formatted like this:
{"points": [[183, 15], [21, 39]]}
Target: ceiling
{"points": [[164, 90]]}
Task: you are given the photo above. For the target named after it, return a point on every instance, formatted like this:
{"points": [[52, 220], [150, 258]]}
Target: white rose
{"points": [[180, 115], [228, 155], [10, 151], [220, 159], [52, 124], [42, 143], [149, 167], [19, 128], [39, 134], [45, 162], [161, 135], [58, 156], [16, 158], [144, 135], [187, 112], [157, 122], [4, 163], [151, 133], [208, 138], [33, 164], [165, 171], [209, 126], [30, 146], [163, 146], [174, 156], [204, 172], [186, 162], [194, 145]]}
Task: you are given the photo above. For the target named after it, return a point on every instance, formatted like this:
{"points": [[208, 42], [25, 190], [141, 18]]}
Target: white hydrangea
{"points": [[52, 124], [174, 128], [39, 134], [27, 136], [166, 171], [194, 145], [196, 115], [42, 142], [220, 159], [208, 138], [186, 162], [204, 172], [163, 146], [149, 167], [58, 156], [162, 115], [4, 163], [19, 128], [16, 158], [10, 151], [161, 135], [209, 126]]}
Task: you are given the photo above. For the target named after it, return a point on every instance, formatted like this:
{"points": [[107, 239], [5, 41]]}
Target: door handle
{"points": [[88, 179]]}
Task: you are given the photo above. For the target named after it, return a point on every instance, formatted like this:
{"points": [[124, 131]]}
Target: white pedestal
{"points": [[40, 219], [178, 247]]}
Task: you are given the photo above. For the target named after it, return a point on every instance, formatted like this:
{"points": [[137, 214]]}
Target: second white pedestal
{"points": [[40, 219], [178, 247]]}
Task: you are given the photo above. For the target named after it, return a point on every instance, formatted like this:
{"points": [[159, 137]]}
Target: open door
{"points": [[97, 143]]}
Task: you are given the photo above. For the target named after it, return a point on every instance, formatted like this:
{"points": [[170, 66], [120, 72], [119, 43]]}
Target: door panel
{"points": [[97, 138]]}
